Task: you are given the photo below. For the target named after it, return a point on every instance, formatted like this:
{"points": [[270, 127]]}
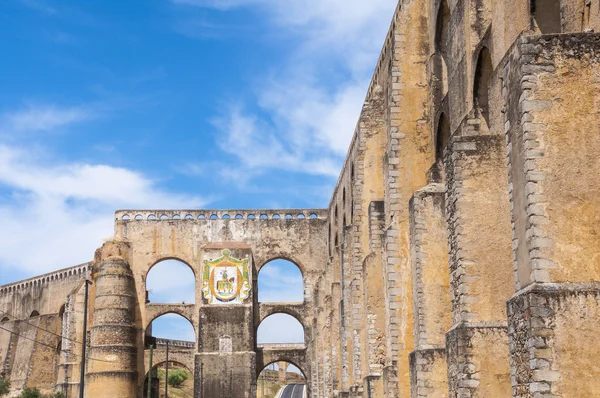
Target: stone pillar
{"points": [[113, 371], [551, 87], [226, 360], [479, 237], [431, 292]]}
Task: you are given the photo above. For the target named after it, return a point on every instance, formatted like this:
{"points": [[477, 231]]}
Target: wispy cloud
{"points": [[55, 212], [309, 106], [44, 118], [39, 5]]}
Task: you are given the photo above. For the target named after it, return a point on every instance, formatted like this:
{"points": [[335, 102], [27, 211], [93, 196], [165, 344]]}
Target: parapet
{"points": [[80, 270], [209, 215]]}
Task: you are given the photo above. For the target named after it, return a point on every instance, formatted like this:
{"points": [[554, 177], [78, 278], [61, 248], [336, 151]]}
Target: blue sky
{"points": [[170, 104]]}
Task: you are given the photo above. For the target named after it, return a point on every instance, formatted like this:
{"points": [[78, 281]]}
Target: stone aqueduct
{"points": [[458, 257]]}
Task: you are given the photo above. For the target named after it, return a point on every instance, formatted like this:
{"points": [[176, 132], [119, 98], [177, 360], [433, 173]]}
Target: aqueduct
{"points": [[458, 255]]}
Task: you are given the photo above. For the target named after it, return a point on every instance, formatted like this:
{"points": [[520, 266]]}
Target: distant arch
{"points": [[481, 85], [442, 136], [287, 360], [34, 314], [5, 319]]}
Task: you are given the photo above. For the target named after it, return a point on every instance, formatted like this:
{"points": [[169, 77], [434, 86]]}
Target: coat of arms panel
{"points": [[225, 280]]}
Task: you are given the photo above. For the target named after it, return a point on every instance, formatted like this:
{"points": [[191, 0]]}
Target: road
{"points": [[293, 391]]}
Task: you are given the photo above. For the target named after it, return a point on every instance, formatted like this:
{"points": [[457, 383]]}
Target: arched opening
{"points": [[280, 378], [180, 379], [178, 332], [481, 86], [280, 329], [546, 15], [171, 281], [440, 70], [442, 136], [5, 319], [280, 281], [34, 314], [171, 326]]}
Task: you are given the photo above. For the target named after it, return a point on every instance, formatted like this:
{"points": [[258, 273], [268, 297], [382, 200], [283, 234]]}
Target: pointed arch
{"points": [[481, 86], [442, 136], [440, 45], [441, 28]]}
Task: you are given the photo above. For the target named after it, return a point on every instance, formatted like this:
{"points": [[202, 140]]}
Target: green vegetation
{"points": [[177, 377], [35, 393], [4, 386]]}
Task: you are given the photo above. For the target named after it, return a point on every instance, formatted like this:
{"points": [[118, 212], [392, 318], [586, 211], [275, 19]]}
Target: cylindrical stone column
{"points": [[112, 363]]}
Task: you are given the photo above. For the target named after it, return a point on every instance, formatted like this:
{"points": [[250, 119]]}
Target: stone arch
{"points": [[441, 27], [481, 86], [176, 360], [178, 260], [187, 315], [166, 258], [296, 311], [439, 58], [546, 15], [289, 269], [285, 257], [442, 136], [299, 320], [34, 314]]}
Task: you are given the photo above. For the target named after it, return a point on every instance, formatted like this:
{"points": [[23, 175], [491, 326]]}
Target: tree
{"points": [[30, 393], [177, 377], [4, 386], [35, 393]]}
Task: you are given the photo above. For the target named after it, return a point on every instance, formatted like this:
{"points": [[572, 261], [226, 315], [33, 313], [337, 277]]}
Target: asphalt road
{"points": [[293, 391]]}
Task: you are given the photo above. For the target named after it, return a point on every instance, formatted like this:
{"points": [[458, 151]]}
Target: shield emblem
{"points": [[225, 280]]}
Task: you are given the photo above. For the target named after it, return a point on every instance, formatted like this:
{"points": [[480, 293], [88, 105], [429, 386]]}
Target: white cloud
{"points": [[44, 118], [313, 101], [56, 215]]}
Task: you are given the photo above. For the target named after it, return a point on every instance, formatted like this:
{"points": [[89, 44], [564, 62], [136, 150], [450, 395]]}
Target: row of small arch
{"points": [[288, 216], [45, 279]]}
